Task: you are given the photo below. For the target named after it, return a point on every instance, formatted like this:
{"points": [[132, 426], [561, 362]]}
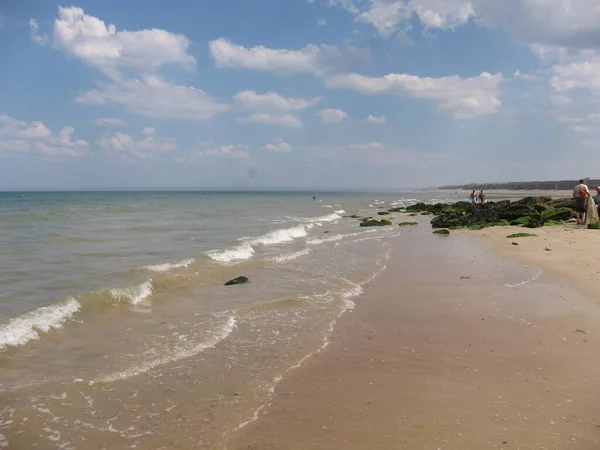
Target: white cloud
{"points": [[123, 145], [226, 151], [272, 101], [35, 137], [523, 76], [285, 120], [585, 75], [109, 122], [464, 97], [89, 39], [560, 100], [375, 119], [278, 146], [332, 115], [130, 60], [34, 31], [152, 96], [580, 129], [313, 59], [322, 22], [367, 146]]}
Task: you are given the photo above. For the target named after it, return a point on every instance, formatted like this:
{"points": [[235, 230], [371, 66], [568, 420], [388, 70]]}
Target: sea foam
{"points": [[22, 329], [178, 354], [132, 294], [237, 253], [168, 266]]}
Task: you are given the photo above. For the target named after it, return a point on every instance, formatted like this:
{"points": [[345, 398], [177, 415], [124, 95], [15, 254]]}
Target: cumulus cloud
{"points": [[271, 101], [89, 39], [130, 60], [122, 145], [331, 115], [17, 136], [278, 146], [367, 146], [225, 151], [375, 119], [152, 96], [109, 122], [285, 120], [464, 97], [312, 59], [34, 31]]}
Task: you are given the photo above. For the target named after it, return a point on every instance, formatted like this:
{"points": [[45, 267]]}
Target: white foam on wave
{"points": [[281, 235], [133, 294], [337, 237], [168, 266], [22, 329], [532, 279], [237, 253], [326, 206], [340, 211], [328, 218], [290, 256], [177, 355]]}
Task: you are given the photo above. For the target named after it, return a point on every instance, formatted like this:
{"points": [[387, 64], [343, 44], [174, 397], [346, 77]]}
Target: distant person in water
{"points": [[481, 197], [581, 193], [315, 197], [473, 197]]}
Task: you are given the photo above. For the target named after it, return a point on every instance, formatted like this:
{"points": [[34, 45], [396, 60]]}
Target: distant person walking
{"points": [[581, 193], [473, 197], [481, 197], [314, 196], [597, 199]]}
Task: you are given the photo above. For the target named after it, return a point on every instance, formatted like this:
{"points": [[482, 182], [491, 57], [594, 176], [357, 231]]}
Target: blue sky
{"points": [[297, 93]]}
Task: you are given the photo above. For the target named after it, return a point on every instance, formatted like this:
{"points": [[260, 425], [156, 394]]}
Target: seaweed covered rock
{"points": [[375, 223], [238, 280], [531, 212], [408, 224], [442, 232], [383, 213]]}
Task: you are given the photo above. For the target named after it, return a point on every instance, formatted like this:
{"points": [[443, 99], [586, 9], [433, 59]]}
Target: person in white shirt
{"points": [[581, 194]]}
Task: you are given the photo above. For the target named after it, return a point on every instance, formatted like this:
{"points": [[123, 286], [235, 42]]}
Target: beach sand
{"points": [[457, 345]]}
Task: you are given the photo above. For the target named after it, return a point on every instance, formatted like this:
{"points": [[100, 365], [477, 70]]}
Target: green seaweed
{"points": [[521, 235]]}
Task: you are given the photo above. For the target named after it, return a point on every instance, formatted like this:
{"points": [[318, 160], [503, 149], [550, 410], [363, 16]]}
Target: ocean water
{"points": [[116, 330]]}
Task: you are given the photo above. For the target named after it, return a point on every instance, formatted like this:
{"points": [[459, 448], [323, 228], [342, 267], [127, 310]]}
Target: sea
{"points": [[116, 329]]}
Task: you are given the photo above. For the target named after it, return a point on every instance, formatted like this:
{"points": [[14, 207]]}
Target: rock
{"points": [[443, 232], [353, 216], [393, 210], [407, 224], [515, 243], [383, 213], [238, 280], [557, 214], [593, 226], [547, 249], [375, 223], [521, 235]]}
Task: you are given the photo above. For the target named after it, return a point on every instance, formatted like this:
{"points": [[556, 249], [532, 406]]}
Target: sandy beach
{"points": [[470, 343]]}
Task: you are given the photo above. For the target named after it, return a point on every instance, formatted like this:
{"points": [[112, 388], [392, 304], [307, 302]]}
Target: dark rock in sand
{"points": [[531, 212], [238, 280], [444, 232], [383, 213], [408, 224], [375, 223], [593, 226]]}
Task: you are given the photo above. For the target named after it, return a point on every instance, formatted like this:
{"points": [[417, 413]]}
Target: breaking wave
{"points": [[22, 329]]}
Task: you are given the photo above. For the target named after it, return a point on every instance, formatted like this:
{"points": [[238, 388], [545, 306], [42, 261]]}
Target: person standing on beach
{"points": [[481, 197], [597, 199], [473, 197], [581, 194]]}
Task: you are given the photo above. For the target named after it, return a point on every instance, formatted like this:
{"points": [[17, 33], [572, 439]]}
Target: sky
{"points": [[297, 93]]}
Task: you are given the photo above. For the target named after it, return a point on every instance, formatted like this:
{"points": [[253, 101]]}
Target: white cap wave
{"points": [[22, 329]]}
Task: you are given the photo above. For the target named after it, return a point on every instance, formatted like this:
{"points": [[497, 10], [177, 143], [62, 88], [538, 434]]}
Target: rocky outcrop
{"points": [[531, 212], [375, 223]]}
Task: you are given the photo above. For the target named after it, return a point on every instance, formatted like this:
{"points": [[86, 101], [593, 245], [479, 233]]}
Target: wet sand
{"points": [[454, 346]]}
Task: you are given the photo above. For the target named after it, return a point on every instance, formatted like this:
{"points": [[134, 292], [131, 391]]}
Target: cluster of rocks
{"points": [[531, 212]]}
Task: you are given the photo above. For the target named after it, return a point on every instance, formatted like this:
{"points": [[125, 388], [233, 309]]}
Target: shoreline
{"points": [[457, 356]]}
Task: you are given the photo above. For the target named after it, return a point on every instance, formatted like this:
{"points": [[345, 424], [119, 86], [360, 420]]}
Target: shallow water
{"points": [[116, 330]]}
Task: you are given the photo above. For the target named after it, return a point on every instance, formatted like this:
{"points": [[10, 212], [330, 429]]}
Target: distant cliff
{"points": [[523, 185]]}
